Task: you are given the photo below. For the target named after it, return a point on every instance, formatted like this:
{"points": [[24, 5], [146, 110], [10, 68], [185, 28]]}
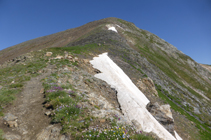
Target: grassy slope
{"points": [[14, 76], [65, 104], [168, 65], [159, 58], [174, 70]]}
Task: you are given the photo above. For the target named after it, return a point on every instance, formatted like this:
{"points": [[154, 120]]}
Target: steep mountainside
{"points": [[178, 79]]}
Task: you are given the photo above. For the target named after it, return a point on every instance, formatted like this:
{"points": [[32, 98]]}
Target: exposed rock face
{"points": [[163, 115], [147, 85], [131, 99]]}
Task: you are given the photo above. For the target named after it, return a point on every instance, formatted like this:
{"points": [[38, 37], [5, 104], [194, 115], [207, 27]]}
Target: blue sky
{"points": [[186, 24]]}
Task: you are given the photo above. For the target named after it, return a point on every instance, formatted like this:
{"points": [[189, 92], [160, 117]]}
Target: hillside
{"points": [[164, 74]]}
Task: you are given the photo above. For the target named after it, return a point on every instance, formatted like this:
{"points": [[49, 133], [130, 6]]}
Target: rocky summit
{"points": [[51, 89]]}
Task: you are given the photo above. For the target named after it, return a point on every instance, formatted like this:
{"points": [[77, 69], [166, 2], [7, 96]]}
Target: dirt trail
{"points": [[29, 109]]}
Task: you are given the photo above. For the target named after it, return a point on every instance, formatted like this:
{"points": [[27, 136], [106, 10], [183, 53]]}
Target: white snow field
{"points": [[111, 27], [132, 101]]}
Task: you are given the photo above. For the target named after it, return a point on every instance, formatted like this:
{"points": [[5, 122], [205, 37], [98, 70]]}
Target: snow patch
{"points": [[133, 102], [111, 27]]}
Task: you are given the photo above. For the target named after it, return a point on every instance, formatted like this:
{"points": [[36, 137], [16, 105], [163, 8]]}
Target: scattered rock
{"points": [[76, 59], [69, 57], [166, 109], [81, 121], [48, 53], [59, 57], [192, 123], [70, 68], [196, 110], [48, 105], [10, 117], [163, 115], [42, 90], [86, 61], [102, 120], [97, 71], [25, 132], [65, 54], [48, 113], [147, 85], [12, 123], [18, 59], [10, 120]]}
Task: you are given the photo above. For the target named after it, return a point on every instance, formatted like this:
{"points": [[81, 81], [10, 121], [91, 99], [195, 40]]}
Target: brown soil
{"points": [[28, 107]]}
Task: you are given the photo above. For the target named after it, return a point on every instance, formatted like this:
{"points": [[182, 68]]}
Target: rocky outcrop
{"points": [[10, 120], [147, 85], [163, 115], [131, 99]]}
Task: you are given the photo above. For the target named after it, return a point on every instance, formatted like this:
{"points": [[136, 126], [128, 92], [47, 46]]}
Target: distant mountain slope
{"points": [[55, 40], [179, 80]]}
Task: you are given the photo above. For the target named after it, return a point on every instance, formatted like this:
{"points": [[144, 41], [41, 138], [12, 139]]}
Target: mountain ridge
{"points": [[179, 80]]}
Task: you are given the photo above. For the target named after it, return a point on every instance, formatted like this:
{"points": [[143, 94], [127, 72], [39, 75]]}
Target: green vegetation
{"points": [[142, 137], [130, 25], [13, 77], [78, 49], [176, 70], [6, 96], [137, 67], [205, 132], [74, 116], [115, 132], [170, 66], [1, 134]]}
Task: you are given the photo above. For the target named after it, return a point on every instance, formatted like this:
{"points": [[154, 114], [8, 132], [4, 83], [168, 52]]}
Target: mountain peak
{"points": [[161, 72]]}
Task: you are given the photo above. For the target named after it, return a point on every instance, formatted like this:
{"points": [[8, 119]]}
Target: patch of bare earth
{"points": [[28, 108]]}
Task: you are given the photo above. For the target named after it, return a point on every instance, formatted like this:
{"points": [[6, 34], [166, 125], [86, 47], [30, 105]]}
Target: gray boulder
{"points": [[163, 115]]}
